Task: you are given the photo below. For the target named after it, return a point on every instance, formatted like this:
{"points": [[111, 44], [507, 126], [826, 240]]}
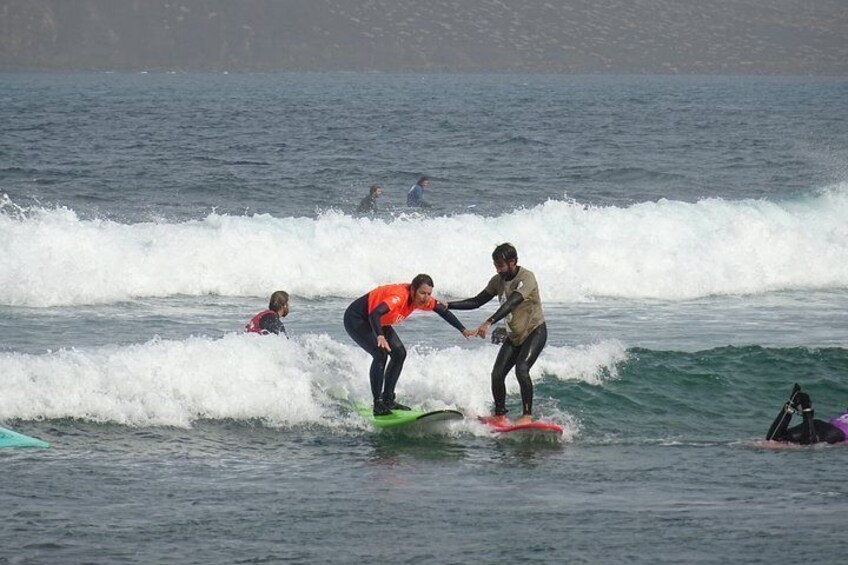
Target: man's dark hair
{"points": [[278, 300], [504, 252], [422, 279], [374, 188], [422, 178]]}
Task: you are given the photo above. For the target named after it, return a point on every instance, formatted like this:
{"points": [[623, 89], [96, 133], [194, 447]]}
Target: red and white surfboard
{"points": [[503, 426]]}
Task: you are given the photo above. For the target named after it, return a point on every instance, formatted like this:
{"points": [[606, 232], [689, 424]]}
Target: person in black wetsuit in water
{"points": [[810, 430], [369, 203]]}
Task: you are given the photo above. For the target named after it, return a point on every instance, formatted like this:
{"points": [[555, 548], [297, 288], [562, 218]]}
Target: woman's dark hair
{"points": [[504, 252], [278, 300], [422, 279]]}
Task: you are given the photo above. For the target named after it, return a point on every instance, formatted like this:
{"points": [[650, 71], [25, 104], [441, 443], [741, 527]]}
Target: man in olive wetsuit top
{"points": [[527, 333]]}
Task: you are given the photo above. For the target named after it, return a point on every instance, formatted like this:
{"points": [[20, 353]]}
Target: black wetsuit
{"points": [[364, 329], [272, 323], [810, 430], [522, 356], [368, 204]]}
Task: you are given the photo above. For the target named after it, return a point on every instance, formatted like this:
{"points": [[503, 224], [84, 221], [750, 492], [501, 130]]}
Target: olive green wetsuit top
{"points": [[527, 316]]}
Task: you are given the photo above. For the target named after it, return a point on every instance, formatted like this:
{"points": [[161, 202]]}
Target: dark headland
{"points": [[537, 36]]}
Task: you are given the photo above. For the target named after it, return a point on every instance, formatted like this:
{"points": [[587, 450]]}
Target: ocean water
{"points": [[690, 238]]}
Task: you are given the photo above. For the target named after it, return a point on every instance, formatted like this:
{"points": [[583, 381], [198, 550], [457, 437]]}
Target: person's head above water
{"points": [[375, 190], [423, 180], [279, 303]]}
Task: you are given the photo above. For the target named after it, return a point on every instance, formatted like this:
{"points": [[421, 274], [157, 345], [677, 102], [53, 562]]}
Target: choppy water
{"points": [[690, 236]]}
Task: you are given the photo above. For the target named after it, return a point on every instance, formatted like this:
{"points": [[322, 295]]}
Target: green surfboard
{"points": [[407, 418], [8, 438]]}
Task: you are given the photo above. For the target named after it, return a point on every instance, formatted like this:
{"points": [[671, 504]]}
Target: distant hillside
{"points": [[642, 36]]}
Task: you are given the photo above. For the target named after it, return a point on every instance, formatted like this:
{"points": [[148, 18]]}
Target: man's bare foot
{"points": [[525, 419], [498, 420]]}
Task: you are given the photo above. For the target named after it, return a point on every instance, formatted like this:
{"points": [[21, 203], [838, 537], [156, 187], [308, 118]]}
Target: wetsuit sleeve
{"points": [[272, 323], [471, 303], [374, 317], [448, 316], [514, 300]]}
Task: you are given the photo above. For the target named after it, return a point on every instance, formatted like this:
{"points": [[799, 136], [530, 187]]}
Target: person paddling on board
{"points": [[270, 321], [810, 430], [369, 320], [527, 333]]}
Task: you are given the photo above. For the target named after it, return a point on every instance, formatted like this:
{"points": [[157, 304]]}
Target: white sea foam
{"points": [[592, 364], [665, 250], [309, 380]]}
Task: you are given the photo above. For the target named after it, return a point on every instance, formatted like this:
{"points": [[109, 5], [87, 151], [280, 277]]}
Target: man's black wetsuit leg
{"points": [[530, 350], [778, 429], [810, 430], [808, 427], [522, 358], [805, 432], [504, 363]]}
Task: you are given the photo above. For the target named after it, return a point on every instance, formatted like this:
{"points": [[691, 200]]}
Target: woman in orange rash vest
{"points": [[369, 320]]}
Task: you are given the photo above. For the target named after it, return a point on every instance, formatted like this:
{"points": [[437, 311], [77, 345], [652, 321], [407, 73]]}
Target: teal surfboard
{"points": [[8, 438], [405, 418]]}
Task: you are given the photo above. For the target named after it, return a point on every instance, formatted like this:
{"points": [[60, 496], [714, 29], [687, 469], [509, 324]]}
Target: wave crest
{"points": [[248, 377], [666, 250]]}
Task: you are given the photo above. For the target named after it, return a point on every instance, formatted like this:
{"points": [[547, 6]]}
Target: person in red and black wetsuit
{"points": [[369, 320], [270, 321]]}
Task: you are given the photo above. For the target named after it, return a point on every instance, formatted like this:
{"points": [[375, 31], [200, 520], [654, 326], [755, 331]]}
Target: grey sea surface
{"points": [[688, 234]]}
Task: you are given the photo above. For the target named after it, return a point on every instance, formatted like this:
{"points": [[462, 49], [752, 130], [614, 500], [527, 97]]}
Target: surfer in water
{"points": [[526, 332], [810, 430], [369, 203], [415, 196], [270, 321], [369, 321]]}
